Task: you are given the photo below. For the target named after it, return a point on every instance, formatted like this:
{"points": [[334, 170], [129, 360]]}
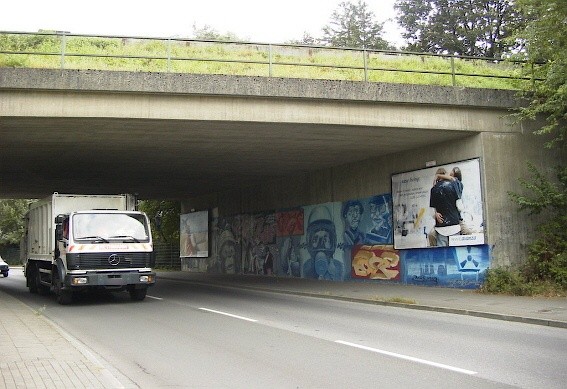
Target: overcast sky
{"points": [[254, 20]]}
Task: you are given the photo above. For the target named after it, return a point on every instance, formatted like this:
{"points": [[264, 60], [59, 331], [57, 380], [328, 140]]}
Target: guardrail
{"points": [[102, 52]]}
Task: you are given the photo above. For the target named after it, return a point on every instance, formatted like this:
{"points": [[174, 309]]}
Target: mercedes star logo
{"points": [[114, 259]]}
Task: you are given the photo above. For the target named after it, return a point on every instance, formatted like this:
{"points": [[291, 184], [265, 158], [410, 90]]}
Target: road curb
{"points": [[417, 306]]}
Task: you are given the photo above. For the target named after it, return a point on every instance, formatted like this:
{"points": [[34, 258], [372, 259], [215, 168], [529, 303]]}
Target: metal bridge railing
{"points": [[101, 52]]}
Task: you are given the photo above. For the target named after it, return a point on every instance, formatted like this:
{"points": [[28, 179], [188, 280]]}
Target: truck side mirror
{"points": [[58, 231]]}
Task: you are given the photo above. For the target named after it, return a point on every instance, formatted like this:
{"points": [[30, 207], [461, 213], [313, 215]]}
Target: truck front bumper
{"points": [[110, 279]]}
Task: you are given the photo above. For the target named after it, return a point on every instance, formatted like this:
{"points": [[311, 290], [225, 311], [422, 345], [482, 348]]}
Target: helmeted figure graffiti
{"points": [[321, 244]]}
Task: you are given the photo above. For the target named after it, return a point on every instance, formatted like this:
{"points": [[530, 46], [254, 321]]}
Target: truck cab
{"points": [[79, 243], [104, 249]]}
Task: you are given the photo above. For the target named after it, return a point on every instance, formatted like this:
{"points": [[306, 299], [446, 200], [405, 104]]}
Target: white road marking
{"points": [[408, 358], [155, 298], [228, 314]]}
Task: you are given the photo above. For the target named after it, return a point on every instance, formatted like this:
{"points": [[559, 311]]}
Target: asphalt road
{"points": [[190, 335]]}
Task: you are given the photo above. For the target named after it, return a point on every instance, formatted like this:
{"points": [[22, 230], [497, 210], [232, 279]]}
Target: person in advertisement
{"points": [[444, 196]]}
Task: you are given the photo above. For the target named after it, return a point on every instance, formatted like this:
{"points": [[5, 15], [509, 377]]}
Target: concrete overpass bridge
{"points": [[179, 136], [244, 145]]}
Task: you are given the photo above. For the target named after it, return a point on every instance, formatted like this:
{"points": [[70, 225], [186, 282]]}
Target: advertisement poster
{"points": [[194, 234], [440, 206]]}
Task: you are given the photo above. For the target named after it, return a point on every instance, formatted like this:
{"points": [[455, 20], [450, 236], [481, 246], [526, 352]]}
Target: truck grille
{"points": [[87, 261]]}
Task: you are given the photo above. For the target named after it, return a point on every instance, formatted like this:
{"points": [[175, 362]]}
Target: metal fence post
{"points": [[168, 55], [365, 65], [270, 60], [63, 45], [453, 71]]}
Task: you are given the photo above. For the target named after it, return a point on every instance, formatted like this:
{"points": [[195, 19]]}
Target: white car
{"points": [[4, 268]]}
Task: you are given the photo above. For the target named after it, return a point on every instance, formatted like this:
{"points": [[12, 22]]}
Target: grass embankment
{"points": [[183, 56]]}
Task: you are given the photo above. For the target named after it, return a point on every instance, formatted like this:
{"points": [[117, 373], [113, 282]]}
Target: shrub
{"points": [[514, 282], [547, 257], [506, 281]]}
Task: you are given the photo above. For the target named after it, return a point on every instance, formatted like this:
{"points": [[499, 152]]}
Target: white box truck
{"points": [[77, 243]]}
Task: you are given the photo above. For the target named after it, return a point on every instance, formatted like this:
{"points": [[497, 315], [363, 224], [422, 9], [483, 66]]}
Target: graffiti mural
{"points": [[367, 221], [289, 234], [290, 222], [259, 243], [227, 240], [339, 241], [321, 256], [378, 262]]}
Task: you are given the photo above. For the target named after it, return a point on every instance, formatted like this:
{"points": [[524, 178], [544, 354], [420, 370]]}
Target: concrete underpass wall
{"points": [[258, 209], [365, 178], [502, 160], [509, 231]]}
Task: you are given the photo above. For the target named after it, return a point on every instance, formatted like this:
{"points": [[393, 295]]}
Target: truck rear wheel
{"points": [[34, 282], [137, 294], [31, 279]]}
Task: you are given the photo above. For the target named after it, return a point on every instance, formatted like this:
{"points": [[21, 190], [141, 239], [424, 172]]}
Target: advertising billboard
{"points": [[194, 234], [439, 206]]}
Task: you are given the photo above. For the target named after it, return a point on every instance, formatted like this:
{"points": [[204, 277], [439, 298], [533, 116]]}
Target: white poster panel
{"points": [[438, 206], [194, 234]]}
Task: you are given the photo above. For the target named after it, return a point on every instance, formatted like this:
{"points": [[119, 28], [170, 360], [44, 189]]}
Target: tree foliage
{"points": [[546, 37], [164, 217], [307, 39], [547, 254], [12, 225], [354, 25], [207, 32], [463, 27]]}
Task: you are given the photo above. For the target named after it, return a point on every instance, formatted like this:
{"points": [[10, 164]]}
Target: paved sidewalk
{"points": [[36, 353], [541, 311]]}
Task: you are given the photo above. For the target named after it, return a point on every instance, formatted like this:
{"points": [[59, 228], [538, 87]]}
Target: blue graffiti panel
{"points": [[367, 221], [454, 267]]}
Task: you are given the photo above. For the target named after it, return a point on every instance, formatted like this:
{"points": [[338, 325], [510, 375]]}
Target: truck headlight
{"points": [[147, 278], [79, 280]]}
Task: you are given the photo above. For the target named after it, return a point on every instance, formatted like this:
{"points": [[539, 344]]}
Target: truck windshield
{"points": [[110, 227]]}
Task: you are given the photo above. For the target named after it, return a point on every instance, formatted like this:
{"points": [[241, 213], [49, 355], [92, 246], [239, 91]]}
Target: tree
{"points": [[307, 39], [353, 25], [209, 33], [12, 227], [546, 50], [164, 217], [462, 27]]}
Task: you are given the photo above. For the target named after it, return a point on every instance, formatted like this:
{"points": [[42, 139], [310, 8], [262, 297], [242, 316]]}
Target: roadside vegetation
{"points": [[544, 271]]}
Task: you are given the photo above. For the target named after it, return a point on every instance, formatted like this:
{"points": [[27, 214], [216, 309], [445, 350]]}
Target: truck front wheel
{"points": [[137, 294], [64, 297]]}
